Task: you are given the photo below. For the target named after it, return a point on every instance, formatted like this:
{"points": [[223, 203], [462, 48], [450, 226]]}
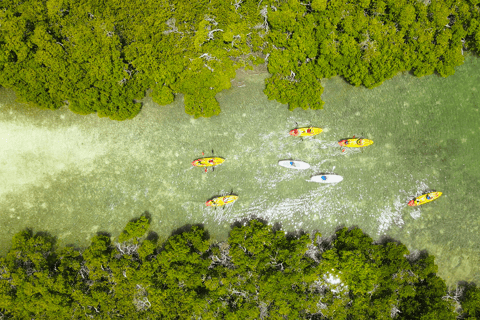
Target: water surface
{"points": [[74, 175]]}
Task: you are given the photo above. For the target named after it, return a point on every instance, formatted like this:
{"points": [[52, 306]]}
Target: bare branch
{"points": [[237, 4], [173, 28], [140, 298], [394, 312], [210, 34]]}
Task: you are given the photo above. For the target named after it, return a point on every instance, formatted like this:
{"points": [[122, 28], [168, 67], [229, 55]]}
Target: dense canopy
{"points": [[102, 57], [260, 272]]}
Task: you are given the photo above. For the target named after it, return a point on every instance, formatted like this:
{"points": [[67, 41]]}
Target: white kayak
{"points": [[326, 178], [293, 164]]}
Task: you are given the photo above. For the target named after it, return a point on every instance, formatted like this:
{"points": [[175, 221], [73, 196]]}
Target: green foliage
{"points": [[260, 272], [470, 301], [102, 57], [365, 42], [135, 230], [162, 95], [319, 5]]}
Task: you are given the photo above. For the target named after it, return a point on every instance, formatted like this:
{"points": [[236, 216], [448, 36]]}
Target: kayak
{"points": [[326, 178], [423, 199], [355, 142], [208, 162], [221, 201], [294, 164], [305, 132]]}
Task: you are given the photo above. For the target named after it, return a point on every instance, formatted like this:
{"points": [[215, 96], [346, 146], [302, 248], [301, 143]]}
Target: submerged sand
{"points": [[74, 175]]}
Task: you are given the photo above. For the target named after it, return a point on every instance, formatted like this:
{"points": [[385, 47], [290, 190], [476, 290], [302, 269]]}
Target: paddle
{"points": [[213, 168]]}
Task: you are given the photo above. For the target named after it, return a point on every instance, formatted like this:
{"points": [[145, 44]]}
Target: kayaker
{"points": [[210, 161], [359, 142], [309, 130], [428, 197], [324, 178]]}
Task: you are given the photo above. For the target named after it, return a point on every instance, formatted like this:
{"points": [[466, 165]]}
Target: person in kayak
{"points": [[309, 130], [324, 178], [360, 142], [428, 197], [210, 161]]}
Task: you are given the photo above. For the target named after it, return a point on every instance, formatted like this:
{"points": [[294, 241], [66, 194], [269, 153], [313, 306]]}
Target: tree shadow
{"points": [[296, 234], [152, 236], [245, 221], [342, 226], [104, 233], [47, 236], [51, 256], [417, 255], [277, 226], [384, 239]]}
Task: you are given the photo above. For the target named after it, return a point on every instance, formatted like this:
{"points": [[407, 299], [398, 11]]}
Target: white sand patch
{"points": [[31, 153], [391, 215], [415, 213]]}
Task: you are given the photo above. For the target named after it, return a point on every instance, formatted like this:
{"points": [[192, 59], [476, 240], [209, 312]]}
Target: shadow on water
{"points": [[188, 228], [385, 239], [46, 236], [152, 236], [104, 233], [417, 255], [246, 221]]}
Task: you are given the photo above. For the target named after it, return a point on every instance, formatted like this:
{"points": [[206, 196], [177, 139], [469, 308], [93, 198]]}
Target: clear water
{"points": [[75, 175]]}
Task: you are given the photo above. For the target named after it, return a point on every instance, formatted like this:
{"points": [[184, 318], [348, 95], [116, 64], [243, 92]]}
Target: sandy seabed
{"points": [[73, 175]]}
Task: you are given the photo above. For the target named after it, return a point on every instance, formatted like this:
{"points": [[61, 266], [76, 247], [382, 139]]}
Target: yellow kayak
{"points": [[305, 132], [418, 201], [221, 201], [208, 162], [355, 142]]}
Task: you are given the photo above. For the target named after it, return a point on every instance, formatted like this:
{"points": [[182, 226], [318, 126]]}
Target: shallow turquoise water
{"points": [[75, 175]]}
